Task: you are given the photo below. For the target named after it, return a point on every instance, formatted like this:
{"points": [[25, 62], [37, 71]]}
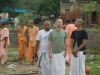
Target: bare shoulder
{"points": [[37, 27], [18, 28]]}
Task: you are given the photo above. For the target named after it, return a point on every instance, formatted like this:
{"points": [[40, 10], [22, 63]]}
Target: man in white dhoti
{"points": [[42, 41], [57, 49], [78, 42]]}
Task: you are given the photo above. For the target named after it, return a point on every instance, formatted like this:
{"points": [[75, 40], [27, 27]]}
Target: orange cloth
{"points": [[22, 40], [30, 53], [3, 51], [32, 41], [69, 29]]}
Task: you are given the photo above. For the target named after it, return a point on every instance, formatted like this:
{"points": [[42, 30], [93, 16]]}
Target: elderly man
{"points": [[33, 31]]}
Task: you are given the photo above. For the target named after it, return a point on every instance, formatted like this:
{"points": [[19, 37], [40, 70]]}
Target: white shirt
{"points": [[42, 36]]}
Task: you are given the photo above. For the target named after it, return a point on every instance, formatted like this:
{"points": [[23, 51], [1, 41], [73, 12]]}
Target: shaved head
{"points": [[47, 22], [81, 21], [47, 25]]}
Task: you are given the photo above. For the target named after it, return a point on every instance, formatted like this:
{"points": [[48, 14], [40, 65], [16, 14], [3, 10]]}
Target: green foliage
{"points": [[49, 7], [7, 3], [29, 4], [94, 29], [26, 16], [37, 20], [89, 8]]}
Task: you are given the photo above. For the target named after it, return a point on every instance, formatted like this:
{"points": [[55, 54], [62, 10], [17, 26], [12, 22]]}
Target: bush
{"points": [[37, 20], [26, 16]]}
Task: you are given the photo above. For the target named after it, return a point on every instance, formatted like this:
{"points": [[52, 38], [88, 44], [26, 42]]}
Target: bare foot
{"points": [[5, 63], [32, 63], [20, 61]]}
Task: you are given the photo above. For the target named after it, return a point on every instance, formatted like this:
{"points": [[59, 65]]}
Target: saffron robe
{"points": [[3, 51], [22, 40], [32, 42]]}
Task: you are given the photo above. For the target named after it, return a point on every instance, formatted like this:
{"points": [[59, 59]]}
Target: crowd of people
{"points": [[48, 47]]}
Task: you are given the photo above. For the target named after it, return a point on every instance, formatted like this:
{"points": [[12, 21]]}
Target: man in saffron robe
{"points": [[64, 26], [69, 29], [33, 31], [22, 34], [4, 41]]}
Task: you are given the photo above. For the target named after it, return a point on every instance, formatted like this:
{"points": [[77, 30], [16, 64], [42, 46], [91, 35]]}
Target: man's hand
{"points": [[50, 55], [35, 56], [74, 52], [65, 54]]}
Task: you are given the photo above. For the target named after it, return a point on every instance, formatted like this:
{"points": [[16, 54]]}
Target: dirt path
{"points": [[20, 69]]}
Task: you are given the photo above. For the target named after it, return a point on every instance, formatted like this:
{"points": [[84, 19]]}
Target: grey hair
{"points": [[81, 21], [31, 21]]}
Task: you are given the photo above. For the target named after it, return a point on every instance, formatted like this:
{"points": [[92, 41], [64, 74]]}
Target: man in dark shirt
{"points": [[78, 42]]}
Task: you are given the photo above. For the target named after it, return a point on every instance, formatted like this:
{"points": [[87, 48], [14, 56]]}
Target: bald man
{"points": [[33, 31], [78, 46], [22, 34], [42, 41]]}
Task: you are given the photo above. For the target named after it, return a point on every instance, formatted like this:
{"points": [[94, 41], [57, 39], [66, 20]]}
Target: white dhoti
{"points": [[57, 64], [77, 66], [44, 64]]}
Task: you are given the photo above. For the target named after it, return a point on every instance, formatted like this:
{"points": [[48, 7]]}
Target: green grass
{"points": [[94, 65], [94, 68], [12, 49], [10, 56]]}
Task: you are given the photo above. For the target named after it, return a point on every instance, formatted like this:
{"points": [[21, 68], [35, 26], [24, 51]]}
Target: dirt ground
{"points": [[21, 69], [18, 69]]}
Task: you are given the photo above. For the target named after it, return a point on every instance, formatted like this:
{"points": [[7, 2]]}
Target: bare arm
{"points": [[49, 49], [6, 39], [27, 35], [72, 43], [82, 45], [65, 53], [37, 45], [74, 52]]}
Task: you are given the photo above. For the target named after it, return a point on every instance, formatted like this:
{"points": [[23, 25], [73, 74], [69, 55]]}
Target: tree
{"points": [[89, 8], [29, 4], [7, 3], [49, 7]]}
